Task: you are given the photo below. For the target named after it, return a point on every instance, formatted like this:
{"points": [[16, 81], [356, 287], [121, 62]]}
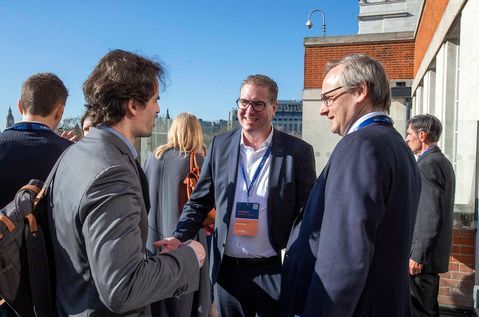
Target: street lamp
{"points": [[309, 24]]}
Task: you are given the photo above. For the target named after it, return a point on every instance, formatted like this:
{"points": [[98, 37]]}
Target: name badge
{"points": [[246, 219]]}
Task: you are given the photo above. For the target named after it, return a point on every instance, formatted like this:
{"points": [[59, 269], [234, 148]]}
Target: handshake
{"points": [[171, 244]]}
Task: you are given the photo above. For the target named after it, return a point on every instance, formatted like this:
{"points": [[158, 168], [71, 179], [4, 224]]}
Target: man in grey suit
{"points": [[99, 201], [431, 244], [259, 178]]}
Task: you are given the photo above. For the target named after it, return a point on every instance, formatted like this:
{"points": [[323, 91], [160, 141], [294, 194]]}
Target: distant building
{"points": [[382, 16], [289, 117], [10, 119]]}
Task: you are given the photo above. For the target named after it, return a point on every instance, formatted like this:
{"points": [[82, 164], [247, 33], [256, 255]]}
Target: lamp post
{"points": [[309, 23]]}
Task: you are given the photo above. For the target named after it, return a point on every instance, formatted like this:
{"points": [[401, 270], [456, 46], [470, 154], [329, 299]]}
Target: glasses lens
{"points": [[244, 103], [258, 105]]}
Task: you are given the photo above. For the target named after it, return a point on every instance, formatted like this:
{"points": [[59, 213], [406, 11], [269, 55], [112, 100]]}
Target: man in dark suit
{"points": [[259, 178], [349, 256], [30, 148], [99, 201], [431, 243]]}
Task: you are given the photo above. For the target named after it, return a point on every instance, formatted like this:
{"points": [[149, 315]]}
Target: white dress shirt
{"points": [[259, 245]]}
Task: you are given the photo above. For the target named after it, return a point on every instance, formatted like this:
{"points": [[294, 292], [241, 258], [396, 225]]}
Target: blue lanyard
{"points": [[383, 120], [22, 126], [258, 170]]}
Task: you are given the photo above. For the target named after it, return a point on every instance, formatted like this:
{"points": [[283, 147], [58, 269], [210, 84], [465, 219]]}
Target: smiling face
{"points": [[339, 105], [256, 123]]}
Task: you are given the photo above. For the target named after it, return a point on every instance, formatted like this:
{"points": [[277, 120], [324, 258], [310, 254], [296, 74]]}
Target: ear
{"points": [[422, 136], [131, 108], [362, 92], [59, 112], [275, 107], [20, 107]]}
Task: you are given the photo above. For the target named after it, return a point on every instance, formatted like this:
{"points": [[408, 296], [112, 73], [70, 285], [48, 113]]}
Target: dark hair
{"points": [[263, 81], [427, 123], [118, 77], [41, 93], [359, 68], [86, 114]]}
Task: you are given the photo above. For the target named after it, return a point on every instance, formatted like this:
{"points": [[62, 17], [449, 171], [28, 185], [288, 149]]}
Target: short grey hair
{"points": [[359, 68], [427, 123]]}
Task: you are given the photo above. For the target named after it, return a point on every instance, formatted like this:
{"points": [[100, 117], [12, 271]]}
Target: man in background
{"points": [[30, 148], [431, 244]]}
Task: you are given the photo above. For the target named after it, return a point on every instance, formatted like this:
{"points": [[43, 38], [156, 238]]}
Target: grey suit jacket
{"points": [[99, 232], [292, 175], [431, 244]]}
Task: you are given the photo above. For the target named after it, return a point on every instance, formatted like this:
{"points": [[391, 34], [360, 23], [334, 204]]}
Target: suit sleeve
{"points": [[354, 207], [153, 230], [202, 200], [306, 176], [124, 277], [429, 219]]}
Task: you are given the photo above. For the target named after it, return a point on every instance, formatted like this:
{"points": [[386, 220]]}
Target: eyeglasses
{"points": [[243, 104], [326, 100]]}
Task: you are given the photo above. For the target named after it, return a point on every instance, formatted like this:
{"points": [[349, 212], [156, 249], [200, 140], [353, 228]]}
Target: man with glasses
{"points": [[351, 251], [259, 178]]}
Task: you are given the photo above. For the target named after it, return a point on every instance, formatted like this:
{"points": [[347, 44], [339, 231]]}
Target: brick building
{"points": [[433, 68]]}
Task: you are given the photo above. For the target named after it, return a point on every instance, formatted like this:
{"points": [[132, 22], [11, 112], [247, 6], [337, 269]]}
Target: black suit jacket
{"points": [[26, 154], [431, 244], [292, 174], [351, 255]]}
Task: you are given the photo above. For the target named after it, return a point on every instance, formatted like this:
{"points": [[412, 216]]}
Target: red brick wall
{"points": [[397, 58], [430, 18], [456, 286]]}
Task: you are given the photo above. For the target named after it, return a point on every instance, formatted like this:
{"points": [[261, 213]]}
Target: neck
{"points": [[123, 129], [255, 139], [362, 111], [425, 147], [48, 121]]}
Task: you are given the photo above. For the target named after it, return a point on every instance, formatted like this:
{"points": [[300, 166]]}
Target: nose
{"points": [[324, 109]]}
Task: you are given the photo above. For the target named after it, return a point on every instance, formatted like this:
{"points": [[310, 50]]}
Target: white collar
{"points": [[356, 124]]}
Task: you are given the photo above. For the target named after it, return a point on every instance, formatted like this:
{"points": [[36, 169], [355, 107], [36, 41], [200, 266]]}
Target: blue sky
{"points": [[208, 46]]}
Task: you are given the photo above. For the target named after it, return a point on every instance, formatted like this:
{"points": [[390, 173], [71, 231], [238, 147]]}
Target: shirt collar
{"points": [[356, 124], [122, 137], [265, 144], [34, 122]]}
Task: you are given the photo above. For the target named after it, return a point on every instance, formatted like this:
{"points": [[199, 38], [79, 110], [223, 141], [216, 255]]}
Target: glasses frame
{"points": [[326, 100], [253, 104]]}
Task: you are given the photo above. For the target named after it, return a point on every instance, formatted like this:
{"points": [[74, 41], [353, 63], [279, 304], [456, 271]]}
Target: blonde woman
{"points": [[166, 169]]}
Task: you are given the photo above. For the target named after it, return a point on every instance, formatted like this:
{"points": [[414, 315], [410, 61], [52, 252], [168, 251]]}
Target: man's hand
{"points": [[414, 267], [70, 135], [199, 250], [167, 244]]}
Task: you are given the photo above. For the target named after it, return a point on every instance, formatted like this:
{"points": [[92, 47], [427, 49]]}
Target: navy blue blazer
{"points": [[350, 257], [26, 154], [292, 175]]}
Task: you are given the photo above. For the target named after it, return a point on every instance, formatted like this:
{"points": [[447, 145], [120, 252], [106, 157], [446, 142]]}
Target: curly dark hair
{"points": [[118, 77]]}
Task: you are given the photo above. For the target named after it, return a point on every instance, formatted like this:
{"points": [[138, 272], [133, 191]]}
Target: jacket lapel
{"points": [[277, 154], [233, 159]]}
